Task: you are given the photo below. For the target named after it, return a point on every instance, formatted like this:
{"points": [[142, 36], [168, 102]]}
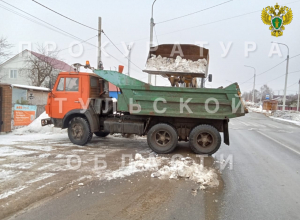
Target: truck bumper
{"points": [[46, 121]]}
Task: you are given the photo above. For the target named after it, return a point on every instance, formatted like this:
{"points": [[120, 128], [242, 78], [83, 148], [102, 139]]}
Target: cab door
{"points": [[65, 96]]}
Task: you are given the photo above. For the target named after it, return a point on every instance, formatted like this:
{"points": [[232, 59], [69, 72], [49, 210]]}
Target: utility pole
{"points": [[298, 97], [253, 87], [151, 36], [260, 95], [253, 92], [286, 75], [129, 58], [99, 61]]}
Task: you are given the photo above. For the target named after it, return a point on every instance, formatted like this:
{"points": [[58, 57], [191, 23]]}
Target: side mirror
{"points": [[210, 78]]}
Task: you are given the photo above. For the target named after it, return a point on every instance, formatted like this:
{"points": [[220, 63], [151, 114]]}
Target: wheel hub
{"points": [[77, 131], [205, 139], [162, 138]]}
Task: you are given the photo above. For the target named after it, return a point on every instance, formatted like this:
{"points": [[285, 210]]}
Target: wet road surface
{"points": [[260, 181]]}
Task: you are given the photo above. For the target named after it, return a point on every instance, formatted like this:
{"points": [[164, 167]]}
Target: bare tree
{"points": [[248, 96], [4, 51], [41, 67], [266, 90]]}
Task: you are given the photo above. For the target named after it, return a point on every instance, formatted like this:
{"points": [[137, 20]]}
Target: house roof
{"points": [[56, 64]]}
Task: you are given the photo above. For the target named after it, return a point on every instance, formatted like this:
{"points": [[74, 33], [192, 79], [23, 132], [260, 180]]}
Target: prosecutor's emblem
{"points": [[276, 17]]}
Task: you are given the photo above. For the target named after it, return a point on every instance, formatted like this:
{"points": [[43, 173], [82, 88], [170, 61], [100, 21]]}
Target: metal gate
{"points": [[1, 110]]}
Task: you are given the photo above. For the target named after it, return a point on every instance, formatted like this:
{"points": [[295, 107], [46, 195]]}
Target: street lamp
{"points": [[253, 93], [151, 36], [286, 75]]}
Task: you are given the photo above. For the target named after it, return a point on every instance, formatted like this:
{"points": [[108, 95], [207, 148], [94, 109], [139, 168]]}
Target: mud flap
{"points": [[226, 131]]}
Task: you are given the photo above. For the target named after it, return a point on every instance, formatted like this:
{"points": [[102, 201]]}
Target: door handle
{"points": [[76, 101]]}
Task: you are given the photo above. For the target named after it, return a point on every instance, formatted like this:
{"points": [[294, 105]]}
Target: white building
{"points": [[10, 71]]}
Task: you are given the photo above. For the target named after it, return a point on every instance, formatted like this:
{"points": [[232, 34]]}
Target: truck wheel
{"points": [[79, 131], [101, 133], [162, 138], [205, 139]]}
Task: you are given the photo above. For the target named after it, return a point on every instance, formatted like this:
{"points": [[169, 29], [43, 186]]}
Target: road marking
{"points": [[256, 125], [245, 123], [273, 126], [282, 144]]}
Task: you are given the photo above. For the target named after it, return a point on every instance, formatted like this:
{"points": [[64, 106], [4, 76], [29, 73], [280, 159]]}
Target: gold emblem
{"points": [[276, 17]]}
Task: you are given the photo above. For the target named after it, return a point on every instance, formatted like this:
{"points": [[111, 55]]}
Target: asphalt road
{"points": [[262, 181]]}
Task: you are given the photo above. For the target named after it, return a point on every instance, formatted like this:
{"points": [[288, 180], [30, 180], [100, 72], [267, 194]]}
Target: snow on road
{"points": [[285, 116], [37, 159]]}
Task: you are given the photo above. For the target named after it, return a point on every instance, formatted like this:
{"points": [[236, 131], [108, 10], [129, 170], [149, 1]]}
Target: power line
{"points": [[119, 50], [217, 21], [12, 11], [247, 80], [271, 68], [77, 38], [78, 43], [64, 16], [156, 35], [193, 12], [279, 77], [295, 56], [292, 84], [62, 32]]}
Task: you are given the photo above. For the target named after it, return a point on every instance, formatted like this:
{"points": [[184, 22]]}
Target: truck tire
{"points": [[205, 139], [101, 133], [79, 131], [162, 138]]}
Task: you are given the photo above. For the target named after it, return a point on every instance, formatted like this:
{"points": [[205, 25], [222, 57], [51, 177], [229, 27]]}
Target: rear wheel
{"points": [[162, 138], [205, 139], [79, 131], [101, 133]]}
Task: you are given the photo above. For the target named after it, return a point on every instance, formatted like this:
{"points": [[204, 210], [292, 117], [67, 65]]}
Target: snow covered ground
{"points": [[285, 116], [43, 160]]}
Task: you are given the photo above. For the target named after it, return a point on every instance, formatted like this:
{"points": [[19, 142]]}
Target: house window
{"points": [[13, 74]]}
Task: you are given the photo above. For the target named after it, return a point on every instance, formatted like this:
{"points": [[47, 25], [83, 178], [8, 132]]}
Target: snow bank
{"points": [[36, 127], [253, 107], [288, 115], [160, 63], [189, 169], [167, 168]]}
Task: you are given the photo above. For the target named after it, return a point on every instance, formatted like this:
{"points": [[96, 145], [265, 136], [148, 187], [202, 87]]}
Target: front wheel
{"points": [[205, 139], [79, 131], [162, 138]]}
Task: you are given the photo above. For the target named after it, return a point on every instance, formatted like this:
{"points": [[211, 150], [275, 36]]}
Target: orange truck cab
{"points": [[79, 94]]}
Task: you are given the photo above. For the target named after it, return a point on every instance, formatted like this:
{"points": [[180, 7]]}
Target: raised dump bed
{"points": [[228, 99], [187, 52]]}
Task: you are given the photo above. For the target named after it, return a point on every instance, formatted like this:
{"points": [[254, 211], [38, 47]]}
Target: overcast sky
{"points": [[129, 21]]}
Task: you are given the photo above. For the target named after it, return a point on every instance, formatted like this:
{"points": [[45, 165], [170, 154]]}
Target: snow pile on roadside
{"points": [[36, 127], [288, 115], [175, 65], [167, 168], [253, 107]]}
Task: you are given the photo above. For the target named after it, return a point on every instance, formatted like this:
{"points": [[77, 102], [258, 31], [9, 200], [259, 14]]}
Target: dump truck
{"points": [[80, 102]]}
